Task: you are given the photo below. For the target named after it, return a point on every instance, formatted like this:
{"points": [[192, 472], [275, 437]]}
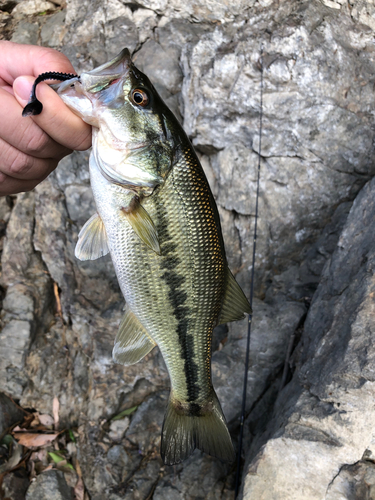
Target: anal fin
{"points": [[92, 240], [235, 303], [132, 341]]}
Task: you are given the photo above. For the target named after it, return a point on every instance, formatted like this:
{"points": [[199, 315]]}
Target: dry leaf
{"points": [[27, 420], [40, 467], [79, 489], [46, 420], [32, 471], [14, 459], [58, 301], [78, 468], [35, 421], [31, 440], [65, 466], [40, 455], [55, 411]]}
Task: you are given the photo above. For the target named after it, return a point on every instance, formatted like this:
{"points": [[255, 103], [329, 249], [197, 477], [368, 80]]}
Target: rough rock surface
{"points": [[10, 413], [320, 443], [59, 316], [15, 485], [50, 485]]}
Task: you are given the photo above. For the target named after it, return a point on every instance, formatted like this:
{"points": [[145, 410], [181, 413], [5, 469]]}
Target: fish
{"points": [[158, 219]]}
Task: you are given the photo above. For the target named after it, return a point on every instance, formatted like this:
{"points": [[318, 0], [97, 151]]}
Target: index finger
{"points": [[19, 59]]}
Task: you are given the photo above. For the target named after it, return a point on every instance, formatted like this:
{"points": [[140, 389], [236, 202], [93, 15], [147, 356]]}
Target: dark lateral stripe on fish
{"points": [[177, 298], [195, 410]]}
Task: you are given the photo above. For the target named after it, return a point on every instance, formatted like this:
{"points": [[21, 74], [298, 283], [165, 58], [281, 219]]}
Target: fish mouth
{"points": [[92, 81], [117, 65], [62, 86]]}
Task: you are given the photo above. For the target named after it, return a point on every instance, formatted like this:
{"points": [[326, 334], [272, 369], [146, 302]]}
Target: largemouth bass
{"points": [[158, 219]]}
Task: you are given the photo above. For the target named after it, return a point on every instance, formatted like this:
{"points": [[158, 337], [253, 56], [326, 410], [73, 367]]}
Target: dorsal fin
{"points": [[235, 303], [92, 240], [132, 340]]}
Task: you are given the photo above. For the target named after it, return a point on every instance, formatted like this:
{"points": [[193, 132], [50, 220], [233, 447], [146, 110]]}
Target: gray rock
{"points": [[199, 10], [73, 169], [271, 330], [15, 340], [308, 113], [10, 413], [300, 282], [150, 416], [364, 13], [80, 203], [26, 32], [119, 32], [53, 30], [140, 485], [15, 484], [354, 481], [322, 421], [8, 5], [32, 7], [345, 286], [5, 209], [163, 71], [211, 480], [50, 485], [118, 456], [27, 301], [117, 429]]}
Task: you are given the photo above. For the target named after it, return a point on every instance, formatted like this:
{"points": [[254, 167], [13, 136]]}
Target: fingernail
{"points": [[22, 88]]}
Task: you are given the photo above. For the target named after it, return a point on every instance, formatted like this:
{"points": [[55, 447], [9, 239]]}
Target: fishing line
{"points": [[243, 410]]}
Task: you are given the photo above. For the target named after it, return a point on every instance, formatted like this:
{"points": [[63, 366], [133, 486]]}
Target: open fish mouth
{"points": [[118, 64], [98, 78], [94, 80]]}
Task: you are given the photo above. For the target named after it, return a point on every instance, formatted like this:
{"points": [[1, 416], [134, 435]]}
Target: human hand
{"points": [[31, 147]]}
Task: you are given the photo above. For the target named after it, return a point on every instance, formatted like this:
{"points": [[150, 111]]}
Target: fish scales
{"points": [[187, 280], [157, 217]]}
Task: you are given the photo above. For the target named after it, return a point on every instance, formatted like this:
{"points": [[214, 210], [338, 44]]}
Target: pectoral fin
{"points": [[142, 224], [235, 303], [132, 341], [92, 240]]}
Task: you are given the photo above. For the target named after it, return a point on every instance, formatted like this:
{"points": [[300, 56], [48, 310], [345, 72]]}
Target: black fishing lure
{"points": [[34, 106]]}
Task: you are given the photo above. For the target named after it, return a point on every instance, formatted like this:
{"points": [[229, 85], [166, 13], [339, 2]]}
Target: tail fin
{"points": [[204, 428]]}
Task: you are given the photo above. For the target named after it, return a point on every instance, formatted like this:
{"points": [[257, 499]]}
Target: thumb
{"points": [[22, 87], [56, 119]]}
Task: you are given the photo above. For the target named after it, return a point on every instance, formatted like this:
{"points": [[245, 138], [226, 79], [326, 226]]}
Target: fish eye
{"points": [[140, 97]]}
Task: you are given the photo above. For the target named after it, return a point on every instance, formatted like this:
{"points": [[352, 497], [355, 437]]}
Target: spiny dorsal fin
{"points": [[235, 303], [92, 240], [142, 224], [132, 341]]}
